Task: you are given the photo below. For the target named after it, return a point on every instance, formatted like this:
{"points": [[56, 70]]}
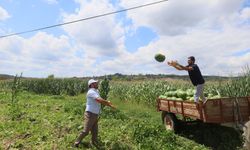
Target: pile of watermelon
{"points": [[188, 94]]}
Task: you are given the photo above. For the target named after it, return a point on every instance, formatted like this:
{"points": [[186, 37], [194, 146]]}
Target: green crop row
{"points": [[50, 86], [145, 91], [148, 91]]}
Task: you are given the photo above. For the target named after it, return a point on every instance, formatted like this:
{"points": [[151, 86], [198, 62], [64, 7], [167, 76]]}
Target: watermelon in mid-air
{"points": [[160, 57]]}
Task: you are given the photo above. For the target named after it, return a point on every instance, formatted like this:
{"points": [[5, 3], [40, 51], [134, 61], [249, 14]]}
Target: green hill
{"points": [[6, 76]]}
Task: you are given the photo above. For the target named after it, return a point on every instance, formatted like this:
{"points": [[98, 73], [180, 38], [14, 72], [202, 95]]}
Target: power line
{"points": [[88, 18]]}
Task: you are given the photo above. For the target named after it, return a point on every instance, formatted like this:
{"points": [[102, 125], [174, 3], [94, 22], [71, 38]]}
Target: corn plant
{"points": [[236, 86], [14, 109], [104, 88]]}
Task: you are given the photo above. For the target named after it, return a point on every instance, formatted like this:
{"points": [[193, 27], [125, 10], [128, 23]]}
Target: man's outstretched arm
{"points": [[105, 102], [177, 66]]}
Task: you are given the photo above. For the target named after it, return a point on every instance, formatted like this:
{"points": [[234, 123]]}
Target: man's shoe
{"points": [[76, 144]]}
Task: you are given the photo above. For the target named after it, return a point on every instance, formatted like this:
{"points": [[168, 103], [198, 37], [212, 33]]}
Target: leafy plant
{"points": [[14, 109], [104, 88]]}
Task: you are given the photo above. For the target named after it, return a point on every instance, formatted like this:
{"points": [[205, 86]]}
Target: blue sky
{"points": [[141, 37], [35, 14], [44, 13], [126, 42]]}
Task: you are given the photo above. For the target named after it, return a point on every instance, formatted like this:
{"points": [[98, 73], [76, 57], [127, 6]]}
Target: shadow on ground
{"points": [[212, 135]]}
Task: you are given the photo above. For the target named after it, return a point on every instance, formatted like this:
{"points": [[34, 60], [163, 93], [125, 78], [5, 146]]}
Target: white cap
{"points": [[92, 81]]}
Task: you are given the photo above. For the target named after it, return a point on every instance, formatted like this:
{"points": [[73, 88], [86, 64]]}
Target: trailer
{"points": [[233, 111]]}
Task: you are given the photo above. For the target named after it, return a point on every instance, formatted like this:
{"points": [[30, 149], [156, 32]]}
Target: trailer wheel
{"points": [[246, 135], [171, 122]]}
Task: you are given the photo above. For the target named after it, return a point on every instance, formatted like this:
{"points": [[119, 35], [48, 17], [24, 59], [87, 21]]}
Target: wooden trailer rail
{"points": [[222, 110]]}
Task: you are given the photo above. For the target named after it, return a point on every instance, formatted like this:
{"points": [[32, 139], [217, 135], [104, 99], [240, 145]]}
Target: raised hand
{"points": [[172, 63]]}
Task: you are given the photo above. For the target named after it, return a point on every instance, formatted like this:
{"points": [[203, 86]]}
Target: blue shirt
{"points": [[92, 105]]}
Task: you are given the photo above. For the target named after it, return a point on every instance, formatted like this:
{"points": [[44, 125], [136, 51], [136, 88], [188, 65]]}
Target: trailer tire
{"points": [[246, 135], [171, 122]]}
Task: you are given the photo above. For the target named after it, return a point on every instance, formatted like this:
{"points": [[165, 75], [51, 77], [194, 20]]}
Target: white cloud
{"points": [[245, 13], [100, 36], [212, 31], [3, 14], [209, 30], [214, 51], [41, 55], [178, 16]]}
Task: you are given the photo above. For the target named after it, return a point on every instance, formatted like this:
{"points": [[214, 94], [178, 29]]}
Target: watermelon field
{"points": [[48, 114], [135, 74]]}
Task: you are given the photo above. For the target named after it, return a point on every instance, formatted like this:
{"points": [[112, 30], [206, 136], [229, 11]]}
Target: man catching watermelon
{"points": [[194, 75], [92, 111]]}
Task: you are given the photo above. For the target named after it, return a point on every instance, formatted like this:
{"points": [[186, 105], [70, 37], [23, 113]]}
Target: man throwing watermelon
{"points": [[194, 75]]}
